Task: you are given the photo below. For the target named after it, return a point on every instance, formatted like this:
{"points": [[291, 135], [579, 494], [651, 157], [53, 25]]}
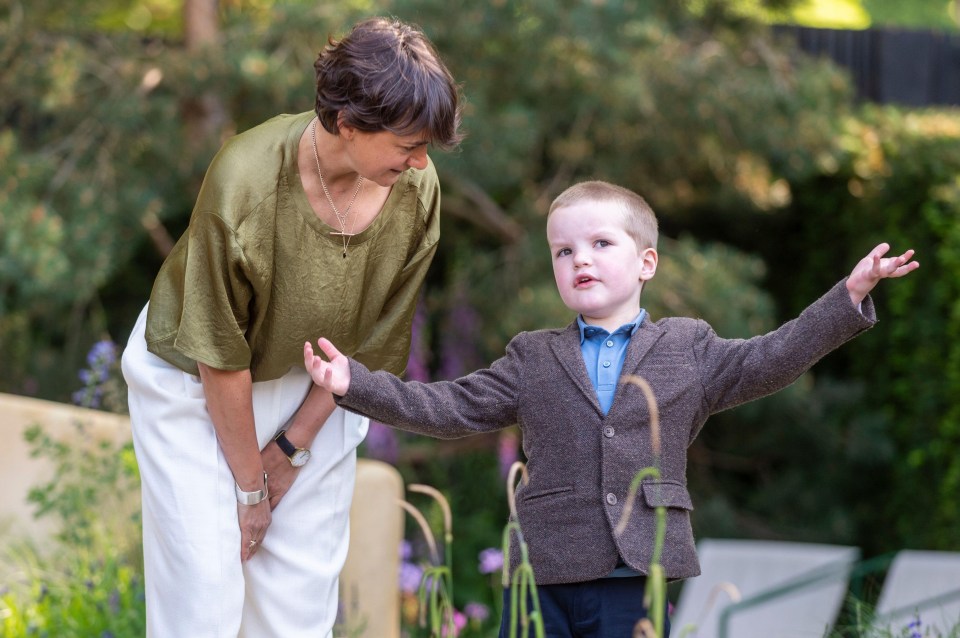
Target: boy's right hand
{"points": [[333, 376]]}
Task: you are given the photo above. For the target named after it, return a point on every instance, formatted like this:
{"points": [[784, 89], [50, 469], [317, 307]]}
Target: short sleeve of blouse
{"points": [[216, 297]]}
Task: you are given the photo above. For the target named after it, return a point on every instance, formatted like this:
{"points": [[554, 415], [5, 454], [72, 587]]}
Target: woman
{"points": [[318, 223]]}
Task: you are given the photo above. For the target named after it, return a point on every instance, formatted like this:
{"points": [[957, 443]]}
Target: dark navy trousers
{"points": [[603, 608]]}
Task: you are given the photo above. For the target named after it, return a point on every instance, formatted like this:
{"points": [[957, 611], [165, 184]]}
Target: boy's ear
{"points": [[648, 264]]}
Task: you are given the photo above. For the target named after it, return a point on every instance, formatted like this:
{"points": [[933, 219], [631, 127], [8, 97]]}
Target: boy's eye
{"points": [[563, 252], [602, 243]]}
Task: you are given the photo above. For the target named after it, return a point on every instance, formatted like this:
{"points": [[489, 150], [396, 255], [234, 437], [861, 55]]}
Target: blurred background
{"points": [[777, 140]]}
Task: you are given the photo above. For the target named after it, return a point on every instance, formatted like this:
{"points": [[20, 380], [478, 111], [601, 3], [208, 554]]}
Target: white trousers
{"points": [[196, 585]]}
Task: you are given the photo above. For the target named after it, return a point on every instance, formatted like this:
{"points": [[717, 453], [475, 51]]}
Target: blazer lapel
{"points": [[566, 347], [643, 339]]}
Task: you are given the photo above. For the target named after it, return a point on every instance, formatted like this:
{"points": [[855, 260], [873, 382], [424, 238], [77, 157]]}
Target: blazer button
{"points": [[609, 431], [611, 499]]}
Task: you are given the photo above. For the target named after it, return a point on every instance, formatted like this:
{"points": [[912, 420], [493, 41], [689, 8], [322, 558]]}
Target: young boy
{"points": [[584, 434]]}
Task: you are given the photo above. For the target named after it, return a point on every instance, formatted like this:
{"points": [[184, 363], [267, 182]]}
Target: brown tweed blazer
{"points": [[580, 463]]}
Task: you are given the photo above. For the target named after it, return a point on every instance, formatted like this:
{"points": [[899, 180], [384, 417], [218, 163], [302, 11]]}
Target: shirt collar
{"points": [[586, 330]]}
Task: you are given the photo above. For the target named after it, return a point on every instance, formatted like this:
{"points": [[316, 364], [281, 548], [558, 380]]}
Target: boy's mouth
{"points": [[583, 280]]}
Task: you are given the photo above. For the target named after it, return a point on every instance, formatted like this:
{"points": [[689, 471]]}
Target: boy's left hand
{"points": [[333, 376], [875, 267]]}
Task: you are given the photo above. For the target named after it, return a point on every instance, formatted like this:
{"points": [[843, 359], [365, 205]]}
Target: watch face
{"points": [[300, 458]]}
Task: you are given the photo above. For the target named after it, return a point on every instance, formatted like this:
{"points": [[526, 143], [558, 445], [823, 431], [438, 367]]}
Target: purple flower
{"points": [[406, 550], [101, 358], [458, 340], [914, 628], [381, 443], [477, 611], [508, 451], [410, 576], [491, 560], [102, 354], [417, 362]]}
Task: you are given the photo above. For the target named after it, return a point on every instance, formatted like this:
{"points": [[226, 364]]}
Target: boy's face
{"points": [[598, 267]]}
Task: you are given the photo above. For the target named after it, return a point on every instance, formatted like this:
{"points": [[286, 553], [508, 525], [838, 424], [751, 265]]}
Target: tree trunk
{"points": [[205, 116]]}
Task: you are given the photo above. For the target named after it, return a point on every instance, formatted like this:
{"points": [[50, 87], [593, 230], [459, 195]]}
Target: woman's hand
{"points": [[254, 521], [302, 430], [282, 474]]}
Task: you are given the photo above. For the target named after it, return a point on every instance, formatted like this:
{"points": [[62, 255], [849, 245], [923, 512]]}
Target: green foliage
{"points": [[894, 179], [936, 14], [88, 593], [90, 582]]}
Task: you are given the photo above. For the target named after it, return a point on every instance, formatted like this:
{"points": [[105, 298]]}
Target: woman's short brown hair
{"points": [[385, 75]]}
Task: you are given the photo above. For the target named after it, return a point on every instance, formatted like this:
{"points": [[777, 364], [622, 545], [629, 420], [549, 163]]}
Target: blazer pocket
{"points": [[666, 494], [545, 493]]}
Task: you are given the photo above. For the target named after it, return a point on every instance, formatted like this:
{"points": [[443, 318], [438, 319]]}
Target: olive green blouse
{"points": [[257, 273]]}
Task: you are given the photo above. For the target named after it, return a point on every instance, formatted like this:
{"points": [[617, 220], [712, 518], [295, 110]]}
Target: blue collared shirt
{"points": [[603, 354]]}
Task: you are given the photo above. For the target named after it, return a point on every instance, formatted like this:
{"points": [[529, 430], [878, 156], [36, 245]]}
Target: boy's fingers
{"points": [[328, 348], [307, 354]]}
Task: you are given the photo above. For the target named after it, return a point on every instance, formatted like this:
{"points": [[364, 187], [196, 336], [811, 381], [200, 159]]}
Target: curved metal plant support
{"points": [[523, 586], [729, 589], [436, 584]]}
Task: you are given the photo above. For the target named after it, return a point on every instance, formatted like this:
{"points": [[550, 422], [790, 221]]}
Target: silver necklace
{"points": [[341, 217]]}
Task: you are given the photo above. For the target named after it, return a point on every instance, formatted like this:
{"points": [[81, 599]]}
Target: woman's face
{"points": [[382, 156]]}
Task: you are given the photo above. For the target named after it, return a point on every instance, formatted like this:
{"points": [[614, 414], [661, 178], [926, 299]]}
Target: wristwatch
{"points": [[297, 456]]}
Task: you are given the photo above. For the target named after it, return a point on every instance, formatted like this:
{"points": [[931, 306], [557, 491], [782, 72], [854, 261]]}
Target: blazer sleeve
{"points": [[483, 401], [734, 371]]}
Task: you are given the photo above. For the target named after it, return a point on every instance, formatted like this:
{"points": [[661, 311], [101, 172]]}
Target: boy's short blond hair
{"points": [[639, 220]]}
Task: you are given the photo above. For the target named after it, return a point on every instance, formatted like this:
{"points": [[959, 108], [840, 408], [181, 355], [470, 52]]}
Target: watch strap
{"points": [[284, 443]]}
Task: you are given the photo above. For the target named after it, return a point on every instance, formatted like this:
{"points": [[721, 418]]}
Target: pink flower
{"points": [[459, 622]]}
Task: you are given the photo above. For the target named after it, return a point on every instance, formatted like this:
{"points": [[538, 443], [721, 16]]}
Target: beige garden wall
{"points": [[370, 596]]}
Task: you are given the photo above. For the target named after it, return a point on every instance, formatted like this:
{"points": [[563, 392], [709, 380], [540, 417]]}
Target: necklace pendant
{"points": [[344, 254]]}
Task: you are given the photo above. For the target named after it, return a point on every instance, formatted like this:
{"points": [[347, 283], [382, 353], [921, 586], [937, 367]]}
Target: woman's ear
{"points": [[648, 264], [344, 128]]}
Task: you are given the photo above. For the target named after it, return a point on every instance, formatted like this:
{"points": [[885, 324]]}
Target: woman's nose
{"points": [[418, 159]]}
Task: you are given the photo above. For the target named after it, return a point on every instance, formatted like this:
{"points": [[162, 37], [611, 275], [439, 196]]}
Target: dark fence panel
{"points": [[896, 66]]}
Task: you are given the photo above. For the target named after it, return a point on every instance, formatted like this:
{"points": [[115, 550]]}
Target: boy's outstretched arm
{"points": [[875, 267], [333, 376]]}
